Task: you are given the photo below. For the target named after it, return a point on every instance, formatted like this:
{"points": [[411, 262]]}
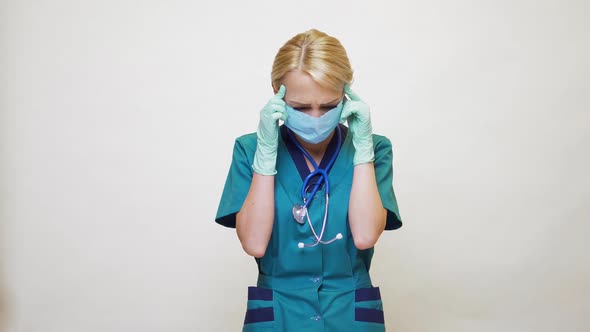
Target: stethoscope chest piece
{"points": [[299, 213]]}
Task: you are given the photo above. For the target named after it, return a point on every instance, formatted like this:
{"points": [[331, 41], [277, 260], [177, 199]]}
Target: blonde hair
{"points": [[316, 53]]}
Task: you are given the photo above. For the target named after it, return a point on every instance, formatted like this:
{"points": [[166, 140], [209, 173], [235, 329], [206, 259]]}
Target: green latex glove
{"points": [[357, 113], [265, 159]]}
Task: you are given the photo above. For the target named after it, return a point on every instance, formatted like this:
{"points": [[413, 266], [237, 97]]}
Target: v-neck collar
{"points": [[299, 158], [287, 164]]}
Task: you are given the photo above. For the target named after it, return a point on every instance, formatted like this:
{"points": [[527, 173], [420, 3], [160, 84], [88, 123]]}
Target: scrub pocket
{"points": [[368, 310], [260, 310]]}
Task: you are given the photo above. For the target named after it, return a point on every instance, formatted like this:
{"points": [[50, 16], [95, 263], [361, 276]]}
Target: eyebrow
{"points": [[302, 105]]}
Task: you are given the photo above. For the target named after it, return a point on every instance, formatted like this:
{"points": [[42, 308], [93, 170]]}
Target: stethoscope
{"points": [[300, 211]]}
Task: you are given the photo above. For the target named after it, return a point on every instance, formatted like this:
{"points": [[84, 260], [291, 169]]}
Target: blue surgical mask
{"points": [[311, 129]]}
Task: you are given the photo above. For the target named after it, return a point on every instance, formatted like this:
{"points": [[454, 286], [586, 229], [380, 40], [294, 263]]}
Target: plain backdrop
{"points": [[117, 125]]}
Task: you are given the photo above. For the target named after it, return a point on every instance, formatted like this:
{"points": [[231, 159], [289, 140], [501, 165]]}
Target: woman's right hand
{"points": [[268, 134], [255, 219]]}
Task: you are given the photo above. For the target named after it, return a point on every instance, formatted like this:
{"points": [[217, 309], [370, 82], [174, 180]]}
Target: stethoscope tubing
{"points": [[323, 173]]}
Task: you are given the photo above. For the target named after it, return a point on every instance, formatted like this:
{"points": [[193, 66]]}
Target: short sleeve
{"points": [[384, 174], [237, 183]]}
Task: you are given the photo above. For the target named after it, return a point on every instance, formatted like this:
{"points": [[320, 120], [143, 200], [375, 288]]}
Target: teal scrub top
{"points": [[322, 288]]}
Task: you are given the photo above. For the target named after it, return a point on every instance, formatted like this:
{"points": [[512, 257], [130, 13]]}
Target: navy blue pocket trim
{"points": [[256, 293], [367, 294], [259, 315], [369, 315]]}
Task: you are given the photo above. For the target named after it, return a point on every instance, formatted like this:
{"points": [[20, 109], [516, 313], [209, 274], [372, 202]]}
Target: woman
{"points": [[312, 239]]}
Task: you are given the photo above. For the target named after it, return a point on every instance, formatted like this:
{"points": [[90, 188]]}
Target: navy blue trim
{"points": [[393, 222], [259, 315], [367, 294], [369, 315], [298, 157], [257, 293], [295, 154], [227, 221]]}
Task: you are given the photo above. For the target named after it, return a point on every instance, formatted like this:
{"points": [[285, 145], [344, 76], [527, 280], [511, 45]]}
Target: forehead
{"points": [[303, 89]]}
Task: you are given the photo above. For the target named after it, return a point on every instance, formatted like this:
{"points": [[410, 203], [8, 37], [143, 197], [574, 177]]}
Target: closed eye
{"points": [[323, 108]]}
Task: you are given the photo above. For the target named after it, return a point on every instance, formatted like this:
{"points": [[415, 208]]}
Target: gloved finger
{"points": [[346, 112], [277, 103], [278, 109], [281, 93], [283, 117], [278, 106], [351, 94], [279, 116]]}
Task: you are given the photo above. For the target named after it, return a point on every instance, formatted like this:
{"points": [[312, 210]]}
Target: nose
{"points": [[315, 111]]}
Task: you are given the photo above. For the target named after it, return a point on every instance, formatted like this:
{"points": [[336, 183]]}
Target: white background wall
{"points": [[116, 130]]}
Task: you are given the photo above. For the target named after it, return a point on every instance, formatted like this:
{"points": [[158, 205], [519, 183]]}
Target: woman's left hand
{"points": [[357, 113]]}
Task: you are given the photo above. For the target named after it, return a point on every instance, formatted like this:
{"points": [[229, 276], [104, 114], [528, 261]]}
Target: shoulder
{"points": [[246, 142], [381, 143], [247, 139]]}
